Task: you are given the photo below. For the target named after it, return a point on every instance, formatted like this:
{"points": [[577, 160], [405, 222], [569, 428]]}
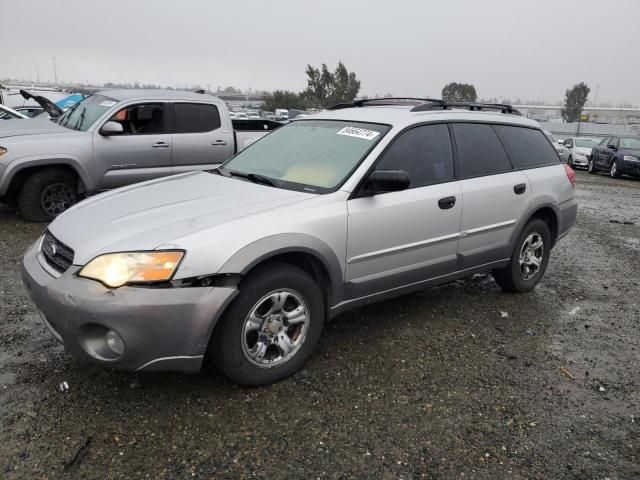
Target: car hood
{"points": [[49, 107], [583, 150], [30, 126], [630, 151], [144, 216]]}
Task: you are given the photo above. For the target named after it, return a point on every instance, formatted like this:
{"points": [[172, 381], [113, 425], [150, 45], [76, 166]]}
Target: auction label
{"points": [[358, 133]]}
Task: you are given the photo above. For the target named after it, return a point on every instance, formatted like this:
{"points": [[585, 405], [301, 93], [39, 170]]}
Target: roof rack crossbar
{"points": [[473, 106], [385, 101]]}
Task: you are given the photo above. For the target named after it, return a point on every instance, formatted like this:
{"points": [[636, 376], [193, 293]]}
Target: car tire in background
{"points": [[47, 193], [613, 170], [279, 309], [529, 259], [570, 161], [591, 168]]}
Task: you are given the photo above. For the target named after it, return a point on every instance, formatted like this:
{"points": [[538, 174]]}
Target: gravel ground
{"points": [[458, 381]]}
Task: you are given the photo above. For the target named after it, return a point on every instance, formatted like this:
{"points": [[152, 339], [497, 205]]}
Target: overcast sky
{"points": [[506, 48]]}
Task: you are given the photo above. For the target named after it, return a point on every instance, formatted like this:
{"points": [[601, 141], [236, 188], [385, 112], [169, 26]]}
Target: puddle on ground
{"points": [[8, 378]]}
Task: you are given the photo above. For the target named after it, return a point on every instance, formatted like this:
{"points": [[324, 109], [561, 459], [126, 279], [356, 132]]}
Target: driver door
{"points": [[141, 152], [399, 238]]}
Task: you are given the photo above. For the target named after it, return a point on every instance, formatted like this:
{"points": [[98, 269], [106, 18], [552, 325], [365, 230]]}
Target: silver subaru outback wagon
{"points": [[243, 264]]}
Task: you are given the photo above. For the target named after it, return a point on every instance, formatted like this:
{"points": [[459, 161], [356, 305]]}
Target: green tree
{"points": [[575, 98], [325, 88], [283, 99], [459, 92]]}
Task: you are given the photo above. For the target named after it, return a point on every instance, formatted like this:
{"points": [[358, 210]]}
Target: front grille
{"points": [[56, 253]]}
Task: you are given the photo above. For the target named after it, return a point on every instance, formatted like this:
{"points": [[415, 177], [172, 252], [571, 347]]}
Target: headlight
{"points": [[118, 269], [629, 158], [2, 151]]}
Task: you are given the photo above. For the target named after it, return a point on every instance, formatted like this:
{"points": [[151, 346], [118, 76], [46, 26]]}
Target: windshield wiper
{"points": [[255, 178]]}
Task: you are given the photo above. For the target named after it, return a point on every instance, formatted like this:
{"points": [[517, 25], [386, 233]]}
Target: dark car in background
{"points": [[616, 155]]}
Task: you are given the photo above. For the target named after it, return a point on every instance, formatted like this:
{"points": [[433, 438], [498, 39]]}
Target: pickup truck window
{"points": [[195, 118], [144, 119], [309, 155], [84, 113]]}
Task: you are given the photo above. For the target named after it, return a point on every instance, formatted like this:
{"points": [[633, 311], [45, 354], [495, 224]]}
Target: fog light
{"points": [[115, 342]]}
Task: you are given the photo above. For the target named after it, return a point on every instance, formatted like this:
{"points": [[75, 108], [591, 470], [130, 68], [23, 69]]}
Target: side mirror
{"points": [[111, 128], [382, 181], [612, 147]]}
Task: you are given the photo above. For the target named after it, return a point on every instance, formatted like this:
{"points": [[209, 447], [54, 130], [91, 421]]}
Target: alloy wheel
{"points": [[531, 255], [56, 198], [275, 328]]}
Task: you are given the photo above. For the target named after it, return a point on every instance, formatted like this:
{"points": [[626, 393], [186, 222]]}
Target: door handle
{"points": [[447, 202], [520, 188], [160, 145], [218, 142]]}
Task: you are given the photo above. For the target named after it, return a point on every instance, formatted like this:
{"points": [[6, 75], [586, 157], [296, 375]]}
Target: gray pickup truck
{"points": [[115, 138]]}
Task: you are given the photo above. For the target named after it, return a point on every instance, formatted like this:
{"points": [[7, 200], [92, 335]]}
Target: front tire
{"points": [[613, 170], [46, 194], [529, 260], [570, 162], [591, 168], [271, 328]]}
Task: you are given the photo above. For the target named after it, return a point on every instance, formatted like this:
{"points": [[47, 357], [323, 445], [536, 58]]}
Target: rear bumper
{"points": [[162, 329]]}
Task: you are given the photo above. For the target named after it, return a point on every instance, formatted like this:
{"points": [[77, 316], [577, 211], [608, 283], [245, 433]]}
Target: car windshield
{"points": [[84, 113], [630, 143], [586, 142], [309, 155]]}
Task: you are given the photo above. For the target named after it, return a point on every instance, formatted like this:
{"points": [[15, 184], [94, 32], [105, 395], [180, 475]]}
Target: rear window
{"points": [[527, 147], [195, 118], [479, 150]]}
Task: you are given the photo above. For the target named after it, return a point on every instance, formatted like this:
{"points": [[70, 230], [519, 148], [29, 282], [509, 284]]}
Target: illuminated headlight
{"points": [[2, 151], [630, 158], [118, 269]]}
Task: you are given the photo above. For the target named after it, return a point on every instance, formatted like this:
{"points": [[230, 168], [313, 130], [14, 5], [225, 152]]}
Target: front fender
{"points": [[19, 164], [253, 254]]}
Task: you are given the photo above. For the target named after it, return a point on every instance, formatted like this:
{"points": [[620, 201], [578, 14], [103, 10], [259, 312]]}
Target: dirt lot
{"points": [[460, 381]]}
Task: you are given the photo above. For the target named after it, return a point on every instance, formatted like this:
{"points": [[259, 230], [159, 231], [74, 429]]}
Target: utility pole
{"points": [[38, 75], [55, 72]]}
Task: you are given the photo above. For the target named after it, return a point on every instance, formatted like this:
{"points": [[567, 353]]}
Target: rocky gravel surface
{"points": [[460, 381]]}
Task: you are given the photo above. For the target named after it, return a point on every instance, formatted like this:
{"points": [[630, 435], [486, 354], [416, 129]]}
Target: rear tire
{"points": [[46, 194], [528, 261], [591, 168], [250, 342]]}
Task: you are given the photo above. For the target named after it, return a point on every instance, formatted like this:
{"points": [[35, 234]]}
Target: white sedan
{"points": [[579, 150]]}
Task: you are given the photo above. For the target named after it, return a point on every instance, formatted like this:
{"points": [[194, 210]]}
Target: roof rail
{"points": [[383, 101], [473, 106]]}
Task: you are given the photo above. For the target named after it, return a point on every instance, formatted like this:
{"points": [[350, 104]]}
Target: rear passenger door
{"points": [[198, 139], [399, 238], [494, 196]]}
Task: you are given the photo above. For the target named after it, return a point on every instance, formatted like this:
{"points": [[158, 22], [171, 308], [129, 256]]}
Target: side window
{"points": [[527, 147], [143, 119], [424, 153], [195, 117], [614, 141], [479, 150], [569, 142], [605, 142]]}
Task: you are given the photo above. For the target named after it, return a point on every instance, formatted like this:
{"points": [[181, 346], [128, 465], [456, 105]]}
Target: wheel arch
{"points": [[547, 212], [17, 173]]}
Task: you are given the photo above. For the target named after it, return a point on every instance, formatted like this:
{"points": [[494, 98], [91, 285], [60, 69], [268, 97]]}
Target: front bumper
{"points": [[629, 168], [164, 329], [580, 161]]}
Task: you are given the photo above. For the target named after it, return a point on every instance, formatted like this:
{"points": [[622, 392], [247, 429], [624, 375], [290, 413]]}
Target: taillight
{"points": [[571, 175]]}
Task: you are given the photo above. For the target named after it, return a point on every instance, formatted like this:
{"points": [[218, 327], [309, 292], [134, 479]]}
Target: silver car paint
{"points": [[106, 162], [371, 247]]}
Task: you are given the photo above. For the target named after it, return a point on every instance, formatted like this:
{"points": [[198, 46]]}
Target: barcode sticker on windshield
{"points": [[358, 133], [107, 103]]}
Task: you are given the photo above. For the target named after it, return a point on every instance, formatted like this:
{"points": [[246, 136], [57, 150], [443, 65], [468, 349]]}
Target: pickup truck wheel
{"points": [[529, 260], [46, 194], [271, 328]]}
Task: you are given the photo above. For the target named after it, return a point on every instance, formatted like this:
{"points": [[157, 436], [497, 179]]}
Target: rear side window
{"points": [[479, 150], [424, 153], [195, 118], [527, 147]]}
